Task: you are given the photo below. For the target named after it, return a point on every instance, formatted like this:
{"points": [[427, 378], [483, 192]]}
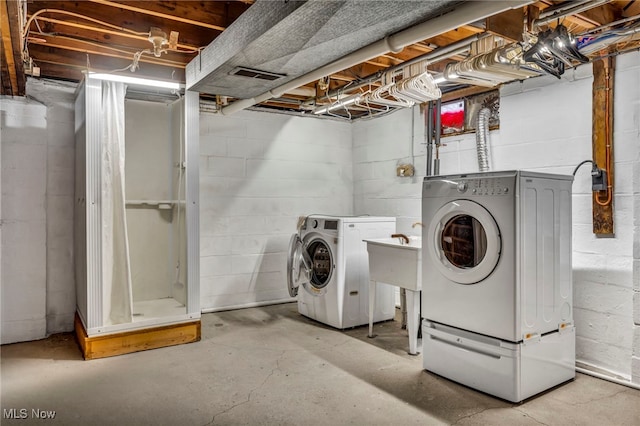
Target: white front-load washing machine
{"points": [[497, 286], [328, 259]]}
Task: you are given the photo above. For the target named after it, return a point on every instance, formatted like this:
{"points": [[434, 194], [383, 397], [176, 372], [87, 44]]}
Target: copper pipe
{"points": [[607, 161]]}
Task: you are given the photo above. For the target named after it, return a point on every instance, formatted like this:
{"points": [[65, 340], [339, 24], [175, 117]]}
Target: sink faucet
{"points": [[416, 224], [402, 237]]}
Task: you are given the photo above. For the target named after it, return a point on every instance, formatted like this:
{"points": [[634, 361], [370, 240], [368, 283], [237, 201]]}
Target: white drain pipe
{"points": [[607, 378], [467, 13]]}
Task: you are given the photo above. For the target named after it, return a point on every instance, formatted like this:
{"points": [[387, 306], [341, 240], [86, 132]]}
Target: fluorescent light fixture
{"points": [[342, 103], [135, 80]]}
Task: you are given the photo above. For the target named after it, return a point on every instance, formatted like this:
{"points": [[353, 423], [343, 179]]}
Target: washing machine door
{"points": [[317, 253], [298, 265], [466, 241]]}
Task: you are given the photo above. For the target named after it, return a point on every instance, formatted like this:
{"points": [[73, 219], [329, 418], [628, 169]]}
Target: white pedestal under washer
{"points": [[497, 265], [328, 270]]}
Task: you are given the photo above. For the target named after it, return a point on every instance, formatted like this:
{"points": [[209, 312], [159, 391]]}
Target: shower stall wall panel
{"points": [[191, 129], [87, 235], [178, 289], [157, 218], [155, 207], [148, 183]]}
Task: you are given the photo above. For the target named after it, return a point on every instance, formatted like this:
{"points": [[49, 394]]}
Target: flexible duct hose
{"points": [[482, 136]]}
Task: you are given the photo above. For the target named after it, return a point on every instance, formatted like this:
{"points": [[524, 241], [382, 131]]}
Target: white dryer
{"points": [[497, 286], [329, 260]]}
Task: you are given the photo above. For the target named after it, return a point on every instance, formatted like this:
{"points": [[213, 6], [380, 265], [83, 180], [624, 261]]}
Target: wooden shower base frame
{"points": [[137, 340]]}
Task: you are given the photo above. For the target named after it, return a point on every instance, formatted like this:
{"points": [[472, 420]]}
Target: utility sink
{"points": [[395, 261], [398, 262]]}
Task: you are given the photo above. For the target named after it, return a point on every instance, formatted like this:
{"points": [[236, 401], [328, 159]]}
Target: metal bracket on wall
{"points": [[405, 170]]}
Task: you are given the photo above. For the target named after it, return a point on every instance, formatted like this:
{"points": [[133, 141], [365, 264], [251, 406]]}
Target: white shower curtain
{"points": [[116, 270]]}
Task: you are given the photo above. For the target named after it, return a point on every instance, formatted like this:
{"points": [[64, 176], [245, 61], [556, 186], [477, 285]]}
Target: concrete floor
{"points": [[271, 366]]}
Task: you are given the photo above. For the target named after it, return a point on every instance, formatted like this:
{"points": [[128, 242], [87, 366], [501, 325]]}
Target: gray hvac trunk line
{"points": [[463, 15]]}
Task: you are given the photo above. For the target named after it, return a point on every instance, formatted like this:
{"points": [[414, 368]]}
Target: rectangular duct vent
{"points": [[251, 73]]}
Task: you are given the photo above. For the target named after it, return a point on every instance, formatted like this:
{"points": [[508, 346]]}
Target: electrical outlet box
{"points": [[599, 180], [405, 170]]}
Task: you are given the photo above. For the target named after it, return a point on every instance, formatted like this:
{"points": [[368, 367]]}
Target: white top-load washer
{"points": [[328, 259], [497, 268]]}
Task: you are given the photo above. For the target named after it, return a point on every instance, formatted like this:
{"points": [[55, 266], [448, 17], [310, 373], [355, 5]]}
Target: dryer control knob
{"points": [[462, 187]]}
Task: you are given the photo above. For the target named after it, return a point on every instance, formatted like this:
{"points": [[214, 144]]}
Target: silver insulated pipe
{"points": [[482, 136]]}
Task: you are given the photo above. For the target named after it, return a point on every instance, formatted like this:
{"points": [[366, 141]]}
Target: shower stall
{"points": [[136, 215]]}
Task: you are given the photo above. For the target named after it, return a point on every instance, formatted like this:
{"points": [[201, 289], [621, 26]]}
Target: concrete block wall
{"points": [[379, 146], [38, 290], [24, 227], [545, 126], [60, 199], [258, 173]]}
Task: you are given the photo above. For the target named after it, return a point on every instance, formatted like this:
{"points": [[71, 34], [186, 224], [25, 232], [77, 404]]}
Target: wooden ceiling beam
{"points": [[128, 51], [73, 64], [450, 37], [81, 47], [601, 15], [377, 63], [147, 10], [127, 20], [94, 32], [421, 47], [5, 78], [12, 56], [466, 91], [509, 24], [7, 46]]}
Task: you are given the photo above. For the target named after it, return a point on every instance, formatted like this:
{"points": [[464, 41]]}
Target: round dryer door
{"points": [[465, 241], [298, 265], [318, 252]]}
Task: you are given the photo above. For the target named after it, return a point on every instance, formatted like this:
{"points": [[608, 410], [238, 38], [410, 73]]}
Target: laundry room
{"points": [[243, 209]]}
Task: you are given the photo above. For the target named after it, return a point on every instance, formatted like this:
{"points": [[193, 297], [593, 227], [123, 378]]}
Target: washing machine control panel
{"points": [[331, 224], [321, 224], [492, 186]]}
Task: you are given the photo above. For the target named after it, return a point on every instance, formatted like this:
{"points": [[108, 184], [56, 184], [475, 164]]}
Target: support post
{"points": [[602, 142]]}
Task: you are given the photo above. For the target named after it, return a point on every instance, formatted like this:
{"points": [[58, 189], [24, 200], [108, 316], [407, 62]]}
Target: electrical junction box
{"points": [[599, 180]]}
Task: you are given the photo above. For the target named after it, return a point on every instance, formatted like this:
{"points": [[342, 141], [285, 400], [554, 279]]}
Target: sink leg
{"points": [[413, 320], [372, 305]]}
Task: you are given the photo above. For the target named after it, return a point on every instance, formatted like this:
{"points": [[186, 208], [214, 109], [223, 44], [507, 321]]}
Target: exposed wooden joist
{"points": [[151, 61], [509, 24], [102, 31], [600, 15], [148, 11], [422, 47], [128, 21], [467, 91], [89, 48], [74, 64], [602, 142], [378, 63], [12, 60], [7, 46]]}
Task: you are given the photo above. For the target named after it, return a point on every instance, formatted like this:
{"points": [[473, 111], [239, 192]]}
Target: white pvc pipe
{"points": [[607, 378], [465, 14], [546, 17]]}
